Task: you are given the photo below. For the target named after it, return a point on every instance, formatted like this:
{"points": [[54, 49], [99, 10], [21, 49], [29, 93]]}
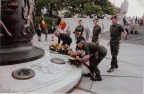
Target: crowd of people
{"points": [[132, 24], [93, 51], [46, 31], [105, 16]]}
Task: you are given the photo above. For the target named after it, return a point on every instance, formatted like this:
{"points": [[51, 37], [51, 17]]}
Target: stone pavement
{"points": [[131, 38], [127, 79]]}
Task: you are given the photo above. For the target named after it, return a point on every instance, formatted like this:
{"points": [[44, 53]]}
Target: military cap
{"points": [[80, 40]]}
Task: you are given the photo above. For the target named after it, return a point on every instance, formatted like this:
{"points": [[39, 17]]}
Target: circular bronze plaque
{"points": [[23, 73], [57, 61]]}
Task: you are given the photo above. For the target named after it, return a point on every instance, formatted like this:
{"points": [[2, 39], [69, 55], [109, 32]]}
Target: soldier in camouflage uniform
{"points": [[94, 53], [96, 32], [115, 41]]}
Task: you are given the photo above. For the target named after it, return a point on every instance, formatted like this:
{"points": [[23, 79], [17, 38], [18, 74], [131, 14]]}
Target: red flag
{"points": [[61, 24], [43, 24]]}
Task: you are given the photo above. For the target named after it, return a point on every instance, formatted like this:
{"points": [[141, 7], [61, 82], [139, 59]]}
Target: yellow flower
{"points": [[54, 44], [70, 52], [59, 46]]}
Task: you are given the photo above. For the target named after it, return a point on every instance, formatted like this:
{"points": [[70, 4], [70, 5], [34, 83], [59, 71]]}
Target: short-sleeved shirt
{"points": [[115, 32], [96, 31], [92, 48], [80, 28]]}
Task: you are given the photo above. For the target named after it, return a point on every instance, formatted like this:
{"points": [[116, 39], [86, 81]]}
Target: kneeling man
{"points": [[94, 53], [64, 37]]}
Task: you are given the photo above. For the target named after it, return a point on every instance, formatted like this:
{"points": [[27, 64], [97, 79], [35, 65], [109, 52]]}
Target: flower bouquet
{"points": [[54, 46], [72, 58], [64, 49]]}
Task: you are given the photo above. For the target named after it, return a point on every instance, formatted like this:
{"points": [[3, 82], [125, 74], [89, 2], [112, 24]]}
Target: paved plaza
{"points": [[127, 79]]}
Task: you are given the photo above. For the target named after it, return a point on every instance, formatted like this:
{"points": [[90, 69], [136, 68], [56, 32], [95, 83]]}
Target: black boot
{"points": [[111, 70], [116, 66], [113, 62], [87, 75], [97, 78]]}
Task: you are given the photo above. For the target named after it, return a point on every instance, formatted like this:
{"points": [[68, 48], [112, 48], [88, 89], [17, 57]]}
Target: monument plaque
{"points": [[23, 73], [57, 61]]}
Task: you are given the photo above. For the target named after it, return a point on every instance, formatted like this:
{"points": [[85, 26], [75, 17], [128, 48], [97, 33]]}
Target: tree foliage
{"points": [[91, 9], [50, 5], [73, 7]]}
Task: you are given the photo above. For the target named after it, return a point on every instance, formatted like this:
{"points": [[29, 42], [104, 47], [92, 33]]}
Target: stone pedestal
{"points": [[120, 20], [9, 56], [49, 77]]}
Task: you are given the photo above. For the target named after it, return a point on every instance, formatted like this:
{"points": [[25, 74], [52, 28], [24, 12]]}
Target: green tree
{"points": [[91, 9], [50, 5], [106, 6], [88, 7], [39, 5], [75, 7]]}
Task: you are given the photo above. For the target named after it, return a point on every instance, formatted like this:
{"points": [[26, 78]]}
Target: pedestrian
{"points": [[87, 33], [80, 28], [64, 37], [136, 19], [133, 20], [131, 28], [115, 41], [136, 28], [124, 20], [131, 25], [68, 31], [127, 29], [94, 53], [142, 21], [52, 31], [102, 28], [39, 32], [96, 32], [46, 34]]}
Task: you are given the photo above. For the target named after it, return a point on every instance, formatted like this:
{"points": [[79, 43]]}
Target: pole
{"points": [[88, 70], [84, 64]]}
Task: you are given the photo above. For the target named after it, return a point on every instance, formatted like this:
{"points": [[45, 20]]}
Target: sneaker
{"points": [[96, 79], [87, 75], [116, 66], [110, 70]]}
